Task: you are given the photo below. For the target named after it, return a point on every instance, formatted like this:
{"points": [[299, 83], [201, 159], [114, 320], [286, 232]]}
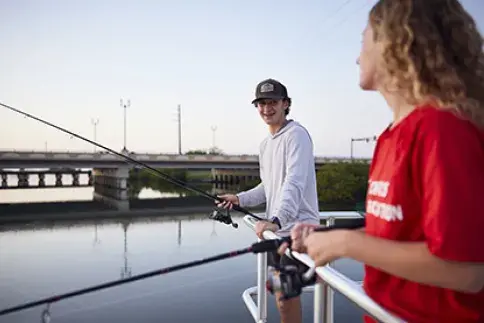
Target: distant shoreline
{"points": [[97, 210], [86, 210], [101, 214]]}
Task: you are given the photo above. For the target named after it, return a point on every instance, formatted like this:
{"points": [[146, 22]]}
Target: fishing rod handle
{"points": [[355, 224]]}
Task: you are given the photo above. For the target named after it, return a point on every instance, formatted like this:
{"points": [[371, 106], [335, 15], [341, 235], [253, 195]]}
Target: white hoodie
{"points": [[288, 174]]}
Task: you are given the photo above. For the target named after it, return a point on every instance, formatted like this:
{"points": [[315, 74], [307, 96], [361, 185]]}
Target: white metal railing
{"points": [[323, 291]]}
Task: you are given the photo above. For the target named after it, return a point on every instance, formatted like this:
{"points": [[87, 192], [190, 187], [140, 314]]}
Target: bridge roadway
{"points": [[38, 159]]}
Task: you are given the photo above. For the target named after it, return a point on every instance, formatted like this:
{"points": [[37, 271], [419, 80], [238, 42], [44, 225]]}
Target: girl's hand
{"points": [[324, 247]]}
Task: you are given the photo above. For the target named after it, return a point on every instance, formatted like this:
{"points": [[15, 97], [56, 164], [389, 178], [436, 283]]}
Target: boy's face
{"points": [[272, 111]]}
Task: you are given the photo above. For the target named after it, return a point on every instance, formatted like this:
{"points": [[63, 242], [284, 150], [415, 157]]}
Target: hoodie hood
{"points": [[289, 124]]}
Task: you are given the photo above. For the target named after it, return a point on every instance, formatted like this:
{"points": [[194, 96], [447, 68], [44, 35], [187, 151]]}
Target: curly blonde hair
{"points": [[432, 51]]}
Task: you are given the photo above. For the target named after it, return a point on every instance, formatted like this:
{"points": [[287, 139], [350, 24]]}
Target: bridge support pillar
{"points": [[58, 179], [75, 179], [41, 180], [23, 180], [4, 180], [111, 187], [230, 177], [90, 178]]}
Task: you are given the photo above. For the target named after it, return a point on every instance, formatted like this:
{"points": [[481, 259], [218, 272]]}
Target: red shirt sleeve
{"points": [[450, 162]]}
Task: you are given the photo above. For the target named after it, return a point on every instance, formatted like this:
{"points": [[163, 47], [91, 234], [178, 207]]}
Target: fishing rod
{"points": [[257, 247], [216, 214]]}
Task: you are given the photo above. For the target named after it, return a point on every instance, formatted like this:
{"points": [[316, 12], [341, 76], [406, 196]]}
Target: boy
{"points": [[288, 179]]}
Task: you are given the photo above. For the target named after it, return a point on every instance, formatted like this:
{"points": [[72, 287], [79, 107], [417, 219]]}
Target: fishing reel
{"points": [[290, 281], [222, 215]]}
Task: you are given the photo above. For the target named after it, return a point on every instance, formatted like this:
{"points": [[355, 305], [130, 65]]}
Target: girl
{"points": [[423, 244]]}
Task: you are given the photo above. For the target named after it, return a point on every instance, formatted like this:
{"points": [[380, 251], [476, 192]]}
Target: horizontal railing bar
{"points": [[249, 302], [340, 215]]}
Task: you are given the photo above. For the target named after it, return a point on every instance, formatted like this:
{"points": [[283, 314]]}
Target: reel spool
{"points": [[290, 281], [222, 215]]}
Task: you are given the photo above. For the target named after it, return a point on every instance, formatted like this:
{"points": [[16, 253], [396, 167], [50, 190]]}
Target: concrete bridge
{"points": [[33, 159], [110, 172]]}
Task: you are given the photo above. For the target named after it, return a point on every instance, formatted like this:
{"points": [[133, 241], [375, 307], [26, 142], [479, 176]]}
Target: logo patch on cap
{"points": [[267, 87]]}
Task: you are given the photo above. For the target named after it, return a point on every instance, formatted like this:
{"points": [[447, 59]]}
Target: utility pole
{"points": [[214, 128], [179, 130], [94, 123], [366, 139], [126, 105]]}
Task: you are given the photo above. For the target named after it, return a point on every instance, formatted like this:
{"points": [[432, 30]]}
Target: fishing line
{"points": [[215, 215]]}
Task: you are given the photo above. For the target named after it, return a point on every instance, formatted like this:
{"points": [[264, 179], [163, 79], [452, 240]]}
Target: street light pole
{"points": [[214, 128], [179, 130], [127, 105], [94, 123], [366, 139]]}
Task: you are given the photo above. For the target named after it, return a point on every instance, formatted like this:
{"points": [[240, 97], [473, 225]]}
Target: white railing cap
{"points": [[340, 214]]}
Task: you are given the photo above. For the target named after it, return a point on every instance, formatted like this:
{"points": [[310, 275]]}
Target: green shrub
{"points": [[342, 183]]}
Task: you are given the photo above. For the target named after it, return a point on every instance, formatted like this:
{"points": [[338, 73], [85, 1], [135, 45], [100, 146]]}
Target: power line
{"points": [[334, 13], [322, 22], [342, 21], [337, 10]]}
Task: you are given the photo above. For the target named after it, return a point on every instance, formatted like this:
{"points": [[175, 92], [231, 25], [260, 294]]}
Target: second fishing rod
{"points": [[298, 280], [216, 215]]}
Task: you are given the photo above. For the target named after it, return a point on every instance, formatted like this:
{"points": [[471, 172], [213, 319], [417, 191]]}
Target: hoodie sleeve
{"points": [[252, 197], [300, 157]]}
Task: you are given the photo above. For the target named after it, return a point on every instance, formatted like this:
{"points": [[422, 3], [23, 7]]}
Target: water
{"points": [[38, 260]]}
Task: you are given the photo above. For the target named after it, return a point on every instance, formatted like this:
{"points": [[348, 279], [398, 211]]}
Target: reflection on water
{"points": [[39, 260], [138, 189], [66, 194]]}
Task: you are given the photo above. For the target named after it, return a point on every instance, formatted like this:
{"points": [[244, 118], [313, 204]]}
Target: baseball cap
{"points": [[270, 89]]}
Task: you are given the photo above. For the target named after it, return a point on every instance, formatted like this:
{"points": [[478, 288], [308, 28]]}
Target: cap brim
{"points": [[270, 97]]}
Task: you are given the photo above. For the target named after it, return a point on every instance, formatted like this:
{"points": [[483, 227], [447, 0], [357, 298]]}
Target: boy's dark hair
{"points": [[289, 102]]}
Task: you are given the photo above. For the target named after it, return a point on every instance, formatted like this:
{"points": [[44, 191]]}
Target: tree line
{"points": [[339, 184]]}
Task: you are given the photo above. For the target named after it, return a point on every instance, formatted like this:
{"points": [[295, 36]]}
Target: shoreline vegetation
{"points": [[340, 185]]}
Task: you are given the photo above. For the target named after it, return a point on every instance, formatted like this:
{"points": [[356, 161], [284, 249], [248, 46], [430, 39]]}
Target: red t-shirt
{"points": [[426, 183]]}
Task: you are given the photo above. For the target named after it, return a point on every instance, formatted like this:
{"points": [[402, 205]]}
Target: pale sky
{"points": [[70, 61]]}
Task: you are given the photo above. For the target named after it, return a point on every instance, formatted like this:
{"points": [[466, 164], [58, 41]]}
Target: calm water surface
{"points": [[42, 259]]}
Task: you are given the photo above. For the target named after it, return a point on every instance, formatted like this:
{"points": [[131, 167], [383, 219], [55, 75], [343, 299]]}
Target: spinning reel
{"points": [[222, 215], [290, 281]]}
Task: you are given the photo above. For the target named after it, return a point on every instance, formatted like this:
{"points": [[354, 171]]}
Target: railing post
{"points": [[319, 303], [261, 286], [328, 292], [328, 304]]}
